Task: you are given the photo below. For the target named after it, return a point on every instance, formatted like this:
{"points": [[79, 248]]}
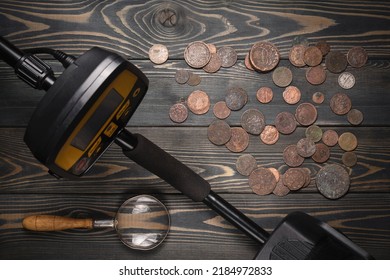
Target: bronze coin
{"points": [[316, 75], [357, 57], [264, 95], [236, 98], [332, 181], [214, 64], [253, 121], [194, 79], [178, 113], [158, 54], [324, 47], [270, 135], [336, 62], [219, 132], [245, 164], [275, 172], [296, 55], [294, 179], [248, 64], [330, 138], [314, 132], [239, 140], [340, 104], [220, 110], [306, 147], [318, 97], [197, 54], [355, 117], [264, 56], [307, 174], [282, 76], [182, 76], [292, 95], [306, 114], [348, 141], [198, 102], [285, 123], [291, 156], [349, 159], [322, 153], [280, 188], [312, 56], [262, 181], [228, 56], [346, 80], [212, 48]]}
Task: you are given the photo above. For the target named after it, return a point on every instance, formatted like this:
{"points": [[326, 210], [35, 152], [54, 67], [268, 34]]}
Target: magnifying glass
{"points": [[142, 222]]}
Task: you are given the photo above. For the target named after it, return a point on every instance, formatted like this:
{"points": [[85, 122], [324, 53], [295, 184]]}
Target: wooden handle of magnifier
{"points": [[55, 223]]}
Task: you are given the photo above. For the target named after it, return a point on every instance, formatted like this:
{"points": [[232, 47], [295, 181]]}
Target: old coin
{"points": [[348, 141], [321, 154], [214, 64], [219, 132], [346, 80], [357, 57], [264, 95], [306, 147], [296, 55], [306, 114], [300, 40], [336, 62], [239, 140], [236, 98], [228, 56], [340, 104], [220, 110], [324, 47], [270, 135], [198, 102], [349, 159], [182, 76], [262, 181], [291, 156], [312, 56], [280, 188], [212, 48], [355, 117], [158, 54], [282, 76], [275, 172], [318, 97], [330, 137], [245, 164], [194, 79], [197, 54], [292, 95], [253, 121], [285, 123], [247, 63], [314, 132], [332, 181], [307, 174], [178, 113], [316, 75], [294, 179], [264, 56]]}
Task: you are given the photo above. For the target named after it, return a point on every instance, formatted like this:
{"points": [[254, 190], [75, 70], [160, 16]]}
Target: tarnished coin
{"points": [[212, 48], [270, 135], [239, 140], [282, 76], [236, 98], [198, 102], [316, 75], [219, 132], [348, 141], [346, 80], [307, 174], [357, 57], [178, 113], [264, 95], [336, 62], [262, 181], [340, 104], [321, 154], [332, 181], [285, 123], [247, 62], [306, 147], [330, 137], [324, 47], [294, 179], [253, 121], [312, 56], [220, 110], [318, 97], [194, 79], [291, 156], [306, 114], [349, 159], [275, 172], [314, 132], [264, 56], [280, 188], [158, 54], [292, 95], [296, 55], [182, 76], [355, 117], [245, 164], [197, 54], [228, 56], [214, 64]]}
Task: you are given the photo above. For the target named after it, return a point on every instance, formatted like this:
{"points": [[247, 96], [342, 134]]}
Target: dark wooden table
{"points": [[131, 28]]}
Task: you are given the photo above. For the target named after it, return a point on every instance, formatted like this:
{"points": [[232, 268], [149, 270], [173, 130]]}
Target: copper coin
{"points": [[306, 114], [348, 141], [322, 153], [275, 172], [355, 117], [228, 56], [178, 113], [158, 54], [264, 56], [280, 188], [182, 76], [306, 147], [219, 132], [270, 135], [264, 95], [198, 102], [336, 62], [197, 54], [220, 110], [316, 75], [349, 159], [357, 57], [236, 98], [248, 64], [291, 156], [239, 140], [214, 64], [262, 181], [324, 47], [332, 181], [307, 174], [194, 79], [312, 56], [314, 132], [340, 103], [282, 76], [212, 48], [296, 55], [292, 95], [253, 121], [285, 123], [318, 97], [330, 138], [346, 80], [245, 164], [294, 179]]}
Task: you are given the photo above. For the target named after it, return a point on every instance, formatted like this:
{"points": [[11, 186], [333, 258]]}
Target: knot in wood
{"points": [[167, 17]]}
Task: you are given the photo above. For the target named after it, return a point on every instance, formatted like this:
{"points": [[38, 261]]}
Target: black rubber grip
{"points": [[162, 164]]}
